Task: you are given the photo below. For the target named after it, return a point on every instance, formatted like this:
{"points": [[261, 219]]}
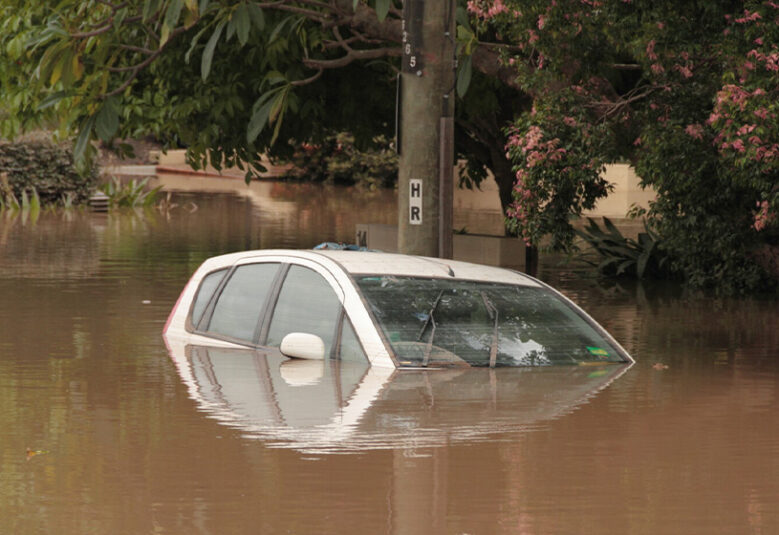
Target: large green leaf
{"points": [[258, 18], [107, 120], [464, 73], [51, 100], [150, 7], [208, 52], [277, 30], [82, 141], [173, 13], [243, 23], [382, 8], [262, 110]]}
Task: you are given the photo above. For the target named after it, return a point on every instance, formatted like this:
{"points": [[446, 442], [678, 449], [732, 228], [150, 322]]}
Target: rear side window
{"points": [[351, 350], [207, 287], [239, 305], [306, 304]]}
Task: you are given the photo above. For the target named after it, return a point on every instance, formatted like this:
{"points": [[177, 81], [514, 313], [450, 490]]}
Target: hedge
{"points": [[48, 168]]}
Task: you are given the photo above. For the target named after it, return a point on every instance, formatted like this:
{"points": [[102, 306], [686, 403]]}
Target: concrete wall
{"points": [[627, 193], [479, 212]]}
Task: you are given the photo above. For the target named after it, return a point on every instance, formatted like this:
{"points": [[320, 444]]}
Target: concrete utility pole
{"points": [[426, 132]]}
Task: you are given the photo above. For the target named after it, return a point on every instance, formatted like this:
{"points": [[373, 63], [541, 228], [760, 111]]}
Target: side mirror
{"points": [[303, 346]]}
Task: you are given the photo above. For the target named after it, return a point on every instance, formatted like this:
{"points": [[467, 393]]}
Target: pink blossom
{"points": [[487, 9], [767, 153], [746, 129], [650, 50], [749, 17], [762, 113], [695, 131], [762, 217], [541, 22], [772, 62], [684, 70], [657, 68], [569, 121], [637, 142], [758, 41]]}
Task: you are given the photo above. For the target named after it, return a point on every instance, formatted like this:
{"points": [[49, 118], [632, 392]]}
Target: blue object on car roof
{"points": [[333, 246]]}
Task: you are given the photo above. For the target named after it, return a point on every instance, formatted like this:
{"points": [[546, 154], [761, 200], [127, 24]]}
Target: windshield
{"points": [[439, 322]]}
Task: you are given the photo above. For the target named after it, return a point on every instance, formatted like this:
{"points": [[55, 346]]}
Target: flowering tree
{"points": [[688, 92]]}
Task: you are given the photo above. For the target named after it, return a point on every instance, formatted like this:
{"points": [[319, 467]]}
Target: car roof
{"points": [[378, 263]]}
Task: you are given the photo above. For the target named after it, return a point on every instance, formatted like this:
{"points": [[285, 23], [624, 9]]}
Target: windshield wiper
{"points": [[492, 310], [430, 319]]}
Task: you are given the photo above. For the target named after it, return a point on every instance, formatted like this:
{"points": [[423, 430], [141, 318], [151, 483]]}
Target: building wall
{"points": [[479, 212]]}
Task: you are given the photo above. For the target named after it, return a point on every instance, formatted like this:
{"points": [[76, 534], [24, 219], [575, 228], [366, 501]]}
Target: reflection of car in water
{"points": [[386, 310], [331, 405]]}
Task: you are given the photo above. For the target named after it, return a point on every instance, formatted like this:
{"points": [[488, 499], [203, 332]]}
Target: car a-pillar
{"points": [[426, 128]]}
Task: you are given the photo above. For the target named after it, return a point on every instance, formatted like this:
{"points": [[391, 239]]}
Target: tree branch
{"points": [[487, 61], [308, 80], [135, 69], [137, 49], [308, 13], [609, 108], [353, 55]]}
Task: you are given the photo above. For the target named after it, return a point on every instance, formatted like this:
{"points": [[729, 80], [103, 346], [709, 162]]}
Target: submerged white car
{"points": [[385, 309]]}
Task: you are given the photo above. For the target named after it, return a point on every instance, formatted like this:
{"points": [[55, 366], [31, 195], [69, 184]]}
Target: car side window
{"points": [[306, 304], [239, 306], [207, 287], [351, 350]]}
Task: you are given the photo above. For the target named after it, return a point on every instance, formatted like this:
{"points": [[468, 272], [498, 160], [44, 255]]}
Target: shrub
{"points": [[619, 255], [134, 194], [339, 161], [47, 168]]}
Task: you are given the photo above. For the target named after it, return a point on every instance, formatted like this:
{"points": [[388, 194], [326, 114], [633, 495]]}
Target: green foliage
{"points": [[704, 216], [338, 161], [618, 255], [216, 77], [45, 168], [133, 194], [230, 80]]}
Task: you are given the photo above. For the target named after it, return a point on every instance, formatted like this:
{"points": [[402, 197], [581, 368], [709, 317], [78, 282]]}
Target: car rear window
{"points": [[239, 305], [207, 287]]}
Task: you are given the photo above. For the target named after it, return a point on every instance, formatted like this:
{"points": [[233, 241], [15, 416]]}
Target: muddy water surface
{"points": [[105, 431]]}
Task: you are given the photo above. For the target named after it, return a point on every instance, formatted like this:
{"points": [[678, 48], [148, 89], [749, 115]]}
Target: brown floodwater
{"points": [[105, 430]]}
